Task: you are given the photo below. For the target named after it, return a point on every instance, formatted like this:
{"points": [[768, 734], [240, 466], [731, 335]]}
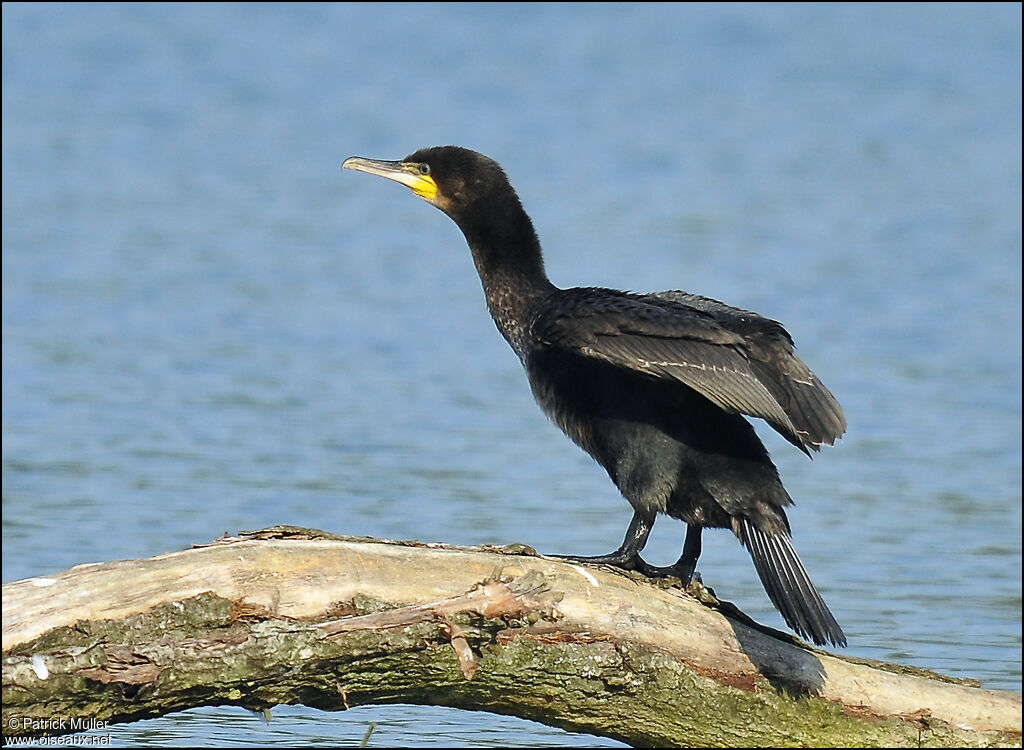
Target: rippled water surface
{"points": [[208, 327]]}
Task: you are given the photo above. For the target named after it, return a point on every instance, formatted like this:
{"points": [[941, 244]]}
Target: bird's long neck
{"points": [[508, 258]]}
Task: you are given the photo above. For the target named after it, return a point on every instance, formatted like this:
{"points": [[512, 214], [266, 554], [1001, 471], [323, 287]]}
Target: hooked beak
{"points": [[407, 173]]}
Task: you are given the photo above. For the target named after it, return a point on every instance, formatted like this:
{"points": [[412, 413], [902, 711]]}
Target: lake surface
{"points": [[207, 327]]}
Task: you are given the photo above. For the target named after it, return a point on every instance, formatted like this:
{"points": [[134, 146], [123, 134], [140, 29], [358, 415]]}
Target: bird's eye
{"points": [[424, 169]]}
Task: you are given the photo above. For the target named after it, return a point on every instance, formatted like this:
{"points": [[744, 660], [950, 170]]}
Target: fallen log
{"points": [[294, 616]]}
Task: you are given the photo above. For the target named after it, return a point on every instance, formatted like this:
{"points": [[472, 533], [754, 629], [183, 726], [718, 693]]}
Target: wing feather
{"points": [[738, 360]]}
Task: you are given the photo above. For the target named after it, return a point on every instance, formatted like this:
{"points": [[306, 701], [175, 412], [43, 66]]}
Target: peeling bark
{"points": [[292, 616]]}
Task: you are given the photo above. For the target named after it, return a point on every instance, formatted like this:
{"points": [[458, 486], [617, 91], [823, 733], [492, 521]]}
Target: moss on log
{"points": [[292, 616]]}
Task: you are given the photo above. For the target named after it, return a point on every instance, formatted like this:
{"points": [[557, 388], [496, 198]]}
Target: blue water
{"points": [[208, 327]]}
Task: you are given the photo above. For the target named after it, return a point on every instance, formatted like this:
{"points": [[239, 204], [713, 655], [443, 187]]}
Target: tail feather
{"points": [[788, 585]]}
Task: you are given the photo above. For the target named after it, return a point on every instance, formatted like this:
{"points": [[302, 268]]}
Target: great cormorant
{"points": [[653, 386]]}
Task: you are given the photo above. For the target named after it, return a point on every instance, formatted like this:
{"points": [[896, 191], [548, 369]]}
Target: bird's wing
{"points": [[738, 360]]}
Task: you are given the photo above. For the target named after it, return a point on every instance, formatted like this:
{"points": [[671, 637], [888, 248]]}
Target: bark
{"points": [[293, 616]]}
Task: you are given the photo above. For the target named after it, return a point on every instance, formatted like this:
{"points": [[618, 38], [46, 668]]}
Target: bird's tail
{"points": [[788, 585]]}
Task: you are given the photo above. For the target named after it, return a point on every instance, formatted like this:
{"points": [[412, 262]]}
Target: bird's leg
{"points": [[627, 556], [687, 562], [684, 567]]}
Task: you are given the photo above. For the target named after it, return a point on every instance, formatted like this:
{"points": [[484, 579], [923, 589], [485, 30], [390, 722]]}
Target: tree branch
{"points": [[297, 616]]}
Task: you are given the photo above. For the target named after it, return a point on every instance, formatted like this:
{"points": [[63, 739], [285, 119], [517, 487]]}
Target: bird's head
{"points": [[454, 179]]}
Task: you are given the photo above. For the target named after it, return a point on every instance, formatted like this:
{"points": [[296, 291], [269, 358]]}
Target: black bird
{"points": [[653, 386]]}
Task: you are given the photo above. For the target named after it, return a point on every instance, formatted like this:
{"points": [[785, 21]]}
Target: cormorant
{"points": [[653, 386]]}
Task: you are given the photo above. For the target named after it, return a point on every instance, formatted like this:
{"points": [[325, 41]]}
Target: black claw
{"points": [[635, 563], [682, 572], [616, 559]]}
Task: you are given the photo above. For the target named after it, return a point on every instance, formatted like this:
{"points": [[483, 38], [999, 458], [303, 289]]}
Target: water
{"points": [[207, 327]]}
